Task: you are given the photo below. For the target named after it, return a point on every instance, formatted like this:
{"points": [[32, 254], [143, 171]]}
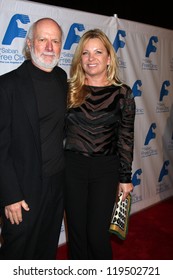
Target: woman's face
{"points": [[95, 58]]}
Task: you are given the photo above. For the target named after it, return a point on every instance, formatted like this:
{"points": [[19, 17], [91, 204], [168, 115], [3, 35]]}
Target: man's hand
{"points": [[13, 212]]}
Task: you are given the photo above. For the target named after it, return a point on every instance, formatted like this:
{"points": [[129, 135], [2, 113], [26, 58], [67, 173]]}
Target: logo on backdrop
{"points": [[151, 134], [136, 88], [164, 91], [148, 150], [162, 185], [161, 107], [151, 49], [15, 29], [137, 92], [151, 46], [136, 181], [74, 34], [120, 44], [72, 37], [164, 170]]}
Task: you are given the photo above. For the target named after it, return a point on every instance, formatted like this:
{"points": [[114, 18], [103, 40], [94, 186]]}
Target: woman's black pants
{"points": [[91, 185]]}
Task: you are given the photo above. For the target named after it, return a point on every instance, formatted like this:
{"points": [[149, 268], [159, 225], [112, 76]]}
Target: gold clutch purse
{"points": [[120, 216]]}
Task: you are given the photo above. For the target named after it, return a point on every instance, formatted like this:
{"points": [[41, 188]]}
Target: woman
{"points": [[99, 146]]}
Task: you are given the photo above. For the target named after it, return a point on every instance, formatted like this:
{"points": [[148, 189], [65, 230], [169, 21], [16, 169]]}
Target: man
{"points": [[32, 111]]}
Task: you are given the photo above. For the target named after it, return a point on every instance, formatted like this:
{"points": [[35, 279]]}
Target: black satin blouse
{"points": [[104, 125]]}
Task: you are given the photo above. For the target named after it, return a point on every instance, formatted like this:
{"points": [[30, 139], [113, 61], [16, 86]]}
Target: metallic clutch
{"points": [[120, 216]]}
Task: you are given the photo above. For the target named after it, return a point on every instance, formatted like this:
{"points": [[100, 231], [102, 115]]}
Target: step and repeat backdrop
{"points": [[145, 55]]}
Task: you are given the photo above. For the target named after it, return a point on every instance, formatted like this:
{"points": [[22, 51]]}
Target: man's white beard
{"points": [[37, 61]]}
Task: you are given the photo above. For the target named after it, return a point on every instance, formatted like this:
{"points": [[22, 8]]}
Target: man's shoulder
{"points": [[9, 76], [13, 72]]}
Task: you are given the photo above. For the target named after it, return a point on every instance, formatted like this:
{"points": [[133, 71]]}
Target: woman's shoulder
{"points": [[125, 89]]}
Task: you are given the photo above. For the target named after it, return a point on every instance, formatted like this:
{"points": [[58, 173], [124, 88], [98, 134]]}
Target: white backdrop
{"points": [[145, 56]]}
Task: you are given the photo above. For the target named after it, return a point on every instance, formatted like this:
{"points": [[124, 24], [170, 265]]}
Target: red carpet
{"points": [[150, 235]]}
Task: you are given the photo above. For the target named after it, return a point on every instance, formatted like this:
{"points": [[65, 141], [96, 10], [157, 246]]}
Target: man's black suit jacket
{"points": [[20, 150]]}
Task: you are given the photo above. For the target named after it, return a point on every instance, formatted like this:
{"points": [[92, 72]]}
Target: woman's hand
{"points": [[125, 188]]}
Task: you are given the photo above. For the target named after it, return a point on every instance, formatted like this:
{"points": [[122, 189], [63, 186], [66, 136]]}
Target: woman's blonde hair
{"points": [[77, 91]]}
